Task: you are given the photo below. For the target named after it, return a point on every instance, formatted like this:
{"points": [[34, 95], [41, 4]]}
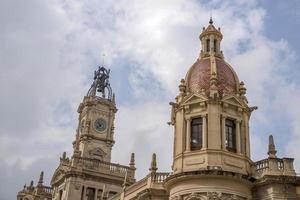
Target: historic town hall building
{"points": [[211, 157]]}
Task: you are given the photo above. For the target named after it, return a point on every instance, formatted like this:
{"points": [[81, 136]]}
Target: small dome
{"points": [[199, 75]]}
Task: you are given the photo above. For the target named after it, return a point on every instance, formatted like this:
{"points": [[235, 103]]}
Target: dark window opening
{"points": [[111, 193], [60, 195], [90, 193], [215, 45], [208, 45], [230, 135], [196, 134], [100, 193]]}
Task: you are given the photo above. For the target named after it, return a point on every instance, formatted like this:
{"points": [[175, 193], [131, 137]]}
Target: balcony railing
{"points": [[271, 166], [261, 165], [160, 177], [105, 167], [47, 189]]}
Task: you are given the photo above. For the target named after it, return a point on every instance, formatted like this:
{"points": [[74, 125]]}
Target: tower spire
{"points": [[211, 20], [31, 184], [41, 179], [153, 166], [272, 150], [103, 56], [132, 161]]}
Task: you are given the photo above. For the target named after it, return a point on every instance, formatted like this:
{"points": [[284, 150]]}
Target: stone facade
{"points": [[39, 192], [211, 157]]}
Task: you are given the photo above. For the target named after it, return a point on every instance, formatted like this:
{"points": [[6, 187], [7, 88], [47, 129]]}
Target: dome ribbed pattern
{"points": [[198, 77]]}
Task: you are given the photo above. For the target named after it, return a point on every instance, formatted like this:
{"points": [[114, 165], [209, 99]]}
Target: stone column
{"points": [[211, 40], [188, 134], [204, 133], [247, 139], [84, 193], [223, 132], [96, 194], [238, 136]]}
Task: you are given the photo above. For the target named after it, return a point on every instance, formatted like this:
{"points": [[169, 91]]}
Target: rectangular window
{"points": [[230, 135], [196, 134], [90, 193]]}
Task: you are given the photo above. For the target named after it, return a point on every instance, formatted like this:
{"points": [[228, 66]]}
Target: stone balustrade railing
{"points": [[152, 180], [47, 189], [105, 167], [261, 165], [274, 166], [159, 177]]}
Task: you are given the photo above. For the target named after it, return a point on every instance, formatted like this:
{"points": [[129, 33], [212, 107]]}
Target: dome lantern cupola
{"points": [[211, 39]]}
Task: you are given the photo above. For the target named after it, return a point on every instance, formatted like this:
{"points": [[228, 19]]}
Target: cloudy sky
{"points": [[49, 50]]}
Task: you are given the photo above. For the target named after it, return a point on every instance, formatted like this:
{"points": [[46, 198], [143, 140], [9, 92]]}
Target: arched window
{"points": [[196, 133], [207, 45], [230, 135], [215, 45]]}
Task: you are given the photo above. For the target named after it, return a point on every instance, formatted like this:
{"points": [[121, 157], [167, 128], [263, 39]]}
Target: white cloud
{"points": [[143, 129], [44, 71]]}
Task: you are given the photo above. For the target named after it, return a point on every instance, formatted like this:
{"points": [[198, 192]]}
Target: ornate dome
{"points": [[199, 76], [210, 71]]}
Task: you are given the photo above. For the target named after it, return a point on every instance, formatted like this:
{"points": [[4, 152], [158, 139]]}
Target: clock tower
{"points": [[89, 173], [96, 119]]}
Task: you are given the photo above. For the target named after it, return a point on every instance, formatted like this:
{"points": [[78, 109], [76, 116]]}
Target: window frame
{"points": [[207, 45], [196, 132], [90, 193], [230, 135]]}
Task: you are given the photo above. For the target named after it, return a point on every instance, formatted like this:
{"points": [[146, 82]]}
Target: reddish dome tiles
{"points": [[198, 77]]}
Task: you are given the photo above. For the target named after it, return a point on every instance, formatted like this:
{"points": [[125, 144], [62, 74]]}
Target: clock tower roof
{"points": [[101, 86]]}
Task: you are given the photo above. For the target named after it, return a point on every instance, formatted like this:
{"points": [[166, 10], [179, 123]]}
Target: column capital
{"points": [[203, 115], [187, 118], [238, 121]]}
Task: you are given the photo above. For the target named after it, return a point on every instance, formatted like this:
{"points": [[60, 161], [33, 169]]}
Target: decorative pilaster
{"points": [[204, 133], [223, 132], [188, 134], [238, 136], [96, 194], [247, 139]]}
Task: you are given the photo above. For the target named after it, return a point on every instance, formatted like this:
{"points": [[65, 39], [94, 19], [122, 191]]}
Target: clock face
{"points": [[100, 125]]}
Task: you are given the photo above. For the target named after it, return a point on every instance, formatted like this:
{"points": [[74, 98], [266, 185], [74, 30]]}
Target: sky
{"points": [[50, 49]]}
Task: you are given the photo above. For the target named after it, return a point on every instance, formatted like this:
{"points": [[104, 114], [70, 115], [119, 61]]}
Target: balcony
{"points": [[274, 166], [104, 167]]}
